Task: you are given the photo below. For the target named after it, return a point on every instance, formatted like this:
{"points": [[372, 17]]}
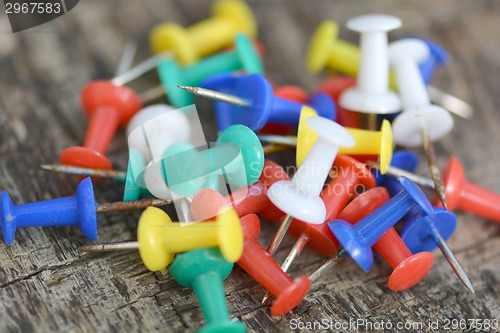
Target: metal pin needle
{"points": [[131, 205], [450, 102], [110, 247], [296, 250], [279, 235], [431, 161], [455, 265], [127, 58], [333, 261], [113, 174], [215, 95]]}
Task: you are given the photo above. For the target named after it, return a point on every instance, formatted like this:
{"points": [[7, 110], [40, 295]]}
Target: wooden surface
{"points": [[47, 285]]}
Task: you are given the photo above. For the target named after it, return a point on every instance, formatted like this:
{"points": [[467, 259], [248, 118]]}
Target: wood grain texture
{"points": [[47, 285]]}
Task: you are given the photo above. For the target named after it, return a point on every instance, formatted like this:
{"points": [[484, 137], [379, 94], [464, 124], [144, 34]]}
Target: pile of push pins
{"points": [[349, 189]]}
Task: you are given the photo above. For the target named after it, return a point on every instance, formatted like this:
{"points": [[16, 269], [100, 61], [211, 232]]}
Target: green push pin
{"points": [[251, 151], [245, 57], [203, 270], [135, 166]]}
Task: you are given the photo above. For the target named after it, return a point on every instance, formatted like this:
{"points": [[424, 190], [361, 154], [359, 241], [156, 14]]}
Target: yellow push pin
{"points": [[372, 143], [159, 239], [203, 38], [305, 135], [326, 50], [366, 142]]}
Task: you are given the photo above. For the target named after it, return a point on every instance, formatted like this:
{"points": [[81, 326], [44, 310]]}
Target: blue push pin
{"points": [[402, 160], [226, 83], [79, 210], [245, 57], [425, 233], [420, 232], [438, 58], [254, 104], [357, 239]]}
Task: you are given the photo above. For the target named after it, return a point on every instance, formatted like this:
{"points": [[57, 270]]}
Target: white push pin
{"points": [[420, 123], [155, 128], [151, 132], [371, 95], [300, 197]]}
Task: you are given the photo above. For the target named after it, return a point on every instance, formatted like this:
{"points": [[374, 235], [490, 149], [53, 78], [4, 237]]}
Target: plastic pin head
{"points": [[244, 57], [79, 210], [358, 239], [154, 128], [300, 197], [205, 37], [204, 270], [418, 231], [401, 159], [373, 143], [160, 238], [251, 151], [408, 268], [253, 199], [260, 265], [321, 45], [371, 94], [108, 107]]}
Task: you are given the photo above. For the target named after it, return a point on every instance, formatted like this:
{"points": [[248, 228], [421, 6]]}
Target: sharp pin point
{"points": [[216, 95], [455, 265]]}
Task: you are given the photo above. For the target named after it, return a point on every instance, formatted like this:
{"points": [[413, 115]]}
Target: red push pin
{"points": [[292, 93], [248, 200], [408, 269], [109, 106], [257, 262], [466, 196], [335, 86]]}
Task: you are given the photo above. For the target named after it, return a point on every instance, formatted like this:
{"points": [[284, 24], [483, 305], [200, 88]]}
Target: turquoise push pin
{"points": [[359, 238], [203, 270], [245, 57], [79, 210]]}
